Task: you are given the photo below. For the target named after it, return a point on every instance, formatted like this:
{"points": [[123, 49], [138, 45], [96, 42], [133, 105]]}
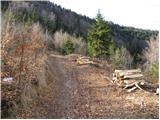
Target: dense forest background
{"points": [[54, 18]]}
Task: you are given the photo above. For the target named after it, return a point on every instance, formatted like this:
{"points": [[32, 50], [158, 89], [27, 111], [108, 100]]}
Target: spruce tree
{"points": [[99, 38]]}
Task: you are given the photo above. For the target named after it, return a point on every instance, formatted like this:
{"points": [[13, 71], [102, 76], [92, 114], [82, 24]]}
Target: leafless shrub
{"points": [[23, 54], [122, 58], [151, 66], [151, 52], [60, 38]]}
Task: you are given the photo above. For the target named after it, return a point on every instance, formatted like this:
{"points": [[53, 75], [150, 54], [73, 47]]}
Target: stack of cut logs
{"points": [[128, 79], [82, 60]]}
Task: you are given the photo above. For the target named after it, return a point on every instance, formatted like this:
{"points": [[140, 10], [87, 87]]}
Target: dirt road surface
{"points": [[82, 92]]}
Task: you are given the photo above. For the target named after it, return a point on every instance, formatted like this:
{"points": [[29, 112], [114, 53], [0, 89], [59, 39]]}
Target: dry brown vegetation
{"points": [[151, 55], [151, 52], [23, 53], [61, 38], [122, 59]]}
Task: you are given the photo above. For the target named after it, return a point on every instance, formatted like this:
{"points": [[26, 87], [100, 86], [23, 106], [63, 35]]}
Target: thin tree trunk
{"points": [[21, 61]]}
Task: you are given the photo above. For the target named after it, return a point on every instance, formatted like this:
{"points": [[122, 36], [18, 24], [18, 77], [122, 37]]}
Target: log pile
{"points": [[82, 60], [129, 79], [127, 74]]}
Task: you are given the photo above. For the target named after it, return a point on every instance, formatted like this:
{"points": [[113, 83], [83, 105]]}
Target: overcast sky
{"points": [[137, 13]]}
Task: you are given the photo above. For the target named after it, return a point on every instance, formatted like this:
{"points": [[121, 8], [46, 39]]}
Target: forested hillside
{"points": [[54, 17]]}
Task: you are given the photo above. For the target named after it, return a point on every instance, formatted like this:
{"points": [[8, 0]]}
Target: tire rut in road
{"points": [[65, 86]]}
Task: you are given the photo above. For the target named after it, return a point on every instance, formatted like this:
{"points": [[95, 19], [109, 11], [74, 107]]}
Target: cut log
{"points": [[114, 79], [137, 85], [83, 61], [129, 85], [127, 74], [84, 57], [157, 91], [128, 71], [133, 76], [133, 83], [122, 73], [132, 89]]}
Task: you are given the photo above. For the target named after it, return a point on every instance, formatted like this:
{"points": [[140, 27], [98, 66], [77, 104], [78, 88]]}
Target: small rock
{"points": [[101, 110], [75, 92], [75, 111], [87, 105]]}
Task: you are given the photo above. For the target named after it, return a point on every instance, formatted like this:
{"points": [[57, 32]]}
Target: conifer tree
{"points": [[99, 38]]}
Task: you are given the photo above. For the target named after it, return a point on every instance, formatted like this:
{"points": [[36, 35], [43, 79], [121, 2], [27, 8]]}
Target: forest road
{"points": [[80, 91]]}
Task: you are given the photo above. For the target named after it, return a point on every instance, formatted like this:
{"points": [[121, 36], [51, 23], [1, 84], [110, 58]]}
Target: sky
{"points": [[135, 13]]}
